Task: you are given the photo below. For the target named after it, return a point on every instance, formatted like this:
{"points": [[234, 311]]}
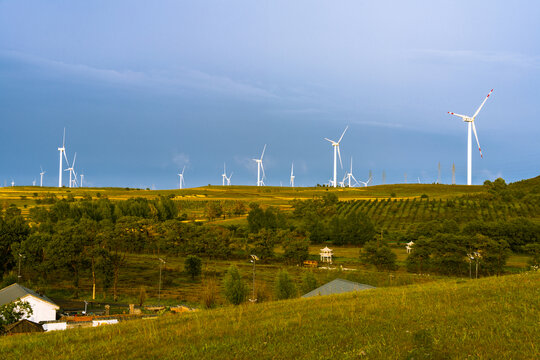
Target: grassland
{"points": [[491, 318]]}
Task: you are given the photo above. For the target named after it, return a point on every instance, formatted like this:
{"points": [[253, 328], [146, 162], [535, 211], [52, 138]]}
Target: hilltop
{"points": [[451, 319]]}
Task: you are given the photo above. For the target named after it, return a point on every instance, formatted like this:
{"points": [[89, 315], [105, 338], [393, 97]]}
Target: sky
{"points": [[145, 89]]}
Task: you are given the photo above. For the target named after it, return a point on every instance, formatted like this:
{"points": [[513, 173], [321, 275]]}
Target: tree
{"points": [[308, 282], [236, 290], [534, 251], [263, 244], [13, 312], [193, 266], [284, 287], [418, 259], [379, 255], [494, 254], [213, 210], [13, 229], [295, 246]]}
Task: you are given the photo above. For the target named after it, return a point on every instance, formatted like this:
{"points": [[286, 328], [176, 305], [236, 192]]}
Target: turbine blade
{"points": [[344, 131], [476, 136], [327, 139], [264, 149], [339, 153], [74, 159], [262, 167], [183, 173], [65, 157], [482, 105], [64, 139], [461, 116]]}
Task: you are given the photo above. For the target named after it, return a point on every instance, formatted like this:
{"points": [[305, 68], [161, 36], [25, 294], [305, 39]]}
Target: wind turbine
{"points": [[62, 151], [292, 175], [12, 183], [260, 167], [72, 172], [470, 121], [224, 175], [82, 177], [229, 179], [335, 145], [34, 182], [41, 176], [350, 176], [181, 182], [366, 182]]}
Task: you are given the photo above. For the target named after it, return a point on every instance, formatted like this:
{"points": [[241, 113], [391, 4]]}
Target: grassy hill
{"points": [[491, 318]]}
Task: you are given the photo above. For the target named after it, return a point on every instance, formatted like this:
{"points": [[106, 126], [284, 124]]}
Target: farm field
{"points": [[488, 318]]}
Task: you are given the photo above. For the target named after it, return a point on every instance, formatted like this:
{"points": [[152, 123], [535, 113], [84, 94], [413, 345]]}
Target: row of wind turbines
{"points": [[346, 181]]}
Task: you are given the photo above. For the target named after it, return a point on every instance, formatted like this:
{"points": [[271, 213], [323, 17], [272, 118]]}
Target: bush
{"points": [[209, 293], [193, 266], [236, 290], [284, 286], [308, 282]]}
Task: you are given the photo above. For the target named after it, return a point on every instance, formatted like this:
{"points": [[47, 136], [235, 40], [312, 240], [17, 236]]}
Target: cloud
{"points": [[175, 80], [181, 160], [513, 59]]}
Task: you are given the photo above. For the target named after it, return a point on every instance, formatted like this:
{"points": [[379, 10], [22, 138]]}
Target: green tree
{"points": [[381, 256], [13, 229], [193, 266], [534, 251], [309, 282], [213, 210], [295, 246], [284, 287], [13, 312], [236, 290], [263, 244]]}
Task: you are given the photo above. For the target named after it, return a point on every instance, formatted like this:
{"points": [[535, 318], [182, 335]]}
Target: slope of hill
{"points": [[491, 318]]}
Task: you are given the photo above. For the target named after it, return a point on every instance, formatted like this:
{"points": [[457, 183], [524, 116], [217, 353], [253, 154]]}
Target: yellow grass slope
{"points": [[492, 318]]}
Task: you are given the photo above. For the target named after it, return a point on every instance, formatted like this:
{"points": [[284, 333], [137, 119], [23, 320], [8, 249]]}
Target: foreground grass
{"points": [[492, 318]]}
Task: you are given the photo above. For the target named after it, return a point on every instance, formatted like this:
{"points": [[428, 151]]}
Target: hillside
{"points": [[484, 319]]}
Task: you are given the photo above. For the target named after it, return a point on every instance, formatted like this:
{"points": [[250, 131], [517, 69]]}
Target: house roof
{"points": [[15, 291], [338, 286]]}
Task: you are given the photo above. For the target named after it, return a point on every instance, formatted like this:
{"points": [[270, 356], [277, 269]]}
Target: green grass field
{"points": [[490, 318]]}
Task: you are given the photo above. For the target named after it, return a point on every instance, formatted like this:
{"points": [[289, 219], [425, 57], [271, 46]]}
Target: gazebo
{"points": [[409, 246], [326, 255]]}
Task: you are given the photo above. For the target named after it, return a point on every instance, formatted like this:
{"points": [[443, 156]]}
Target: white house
{"points": [[43, 308], [409, 246]]}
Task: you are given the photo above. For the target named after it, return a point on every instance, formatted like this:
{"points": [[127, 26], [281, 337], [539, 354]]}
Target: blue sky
{"points": [[146, 89]]}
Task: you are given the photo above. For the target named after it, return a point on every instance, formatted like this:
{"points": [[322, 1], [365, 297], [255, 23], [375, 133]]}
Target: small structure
{"points": [[43, 308], [409, 246], [337, 286], [311, 263], [326, 255], [22, 327]]}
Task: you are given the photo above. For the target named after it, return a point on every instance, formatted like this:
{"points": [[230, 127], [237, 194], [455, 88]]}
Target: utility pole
{"points": [[159, 289], [453, 174], [405, 178], [19, 274], [384, 177], [253, 259], [439, 174]]}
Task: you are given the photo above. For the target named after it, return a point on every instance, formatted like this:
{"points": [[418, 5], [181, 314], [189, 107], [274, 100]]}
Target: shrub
{"points": [[284, 286], [209, 293], [308, 282], [236, 290]]}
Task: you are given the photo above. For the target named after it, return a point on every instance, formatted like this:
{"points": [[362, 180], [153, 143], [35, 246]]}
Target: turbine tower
{"points": [[335, 145], [470, 124], [62, 152], [292, 175], [181, 181], [82, 177], [41, 177], [453, 174], [260, 167]]}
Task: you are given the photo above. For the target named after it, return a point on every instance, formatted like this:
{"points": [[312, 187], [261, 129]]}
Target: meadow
{"points": [[489, 318]]}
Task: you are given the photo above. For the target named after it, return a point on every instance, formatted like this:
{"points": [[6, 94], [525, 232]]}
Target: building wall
{"points": [[42, 311]]}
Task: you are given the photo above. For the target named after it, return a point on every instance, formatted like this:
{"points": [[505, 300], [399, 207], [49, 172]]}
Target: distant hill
{"points": [[490, 318], [528, 184]]}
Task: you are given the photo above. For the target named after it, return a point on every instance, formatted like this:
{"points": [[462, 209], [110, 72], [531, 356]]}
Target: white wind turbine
{"points": [[72, 172], [62, 152], [229, 179], [224, 175], [350, 176], [335, 145], [181, 181], [260, 167], [366, 182], [82, 177], [470, 121], [41, 176], [292, 175]]}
